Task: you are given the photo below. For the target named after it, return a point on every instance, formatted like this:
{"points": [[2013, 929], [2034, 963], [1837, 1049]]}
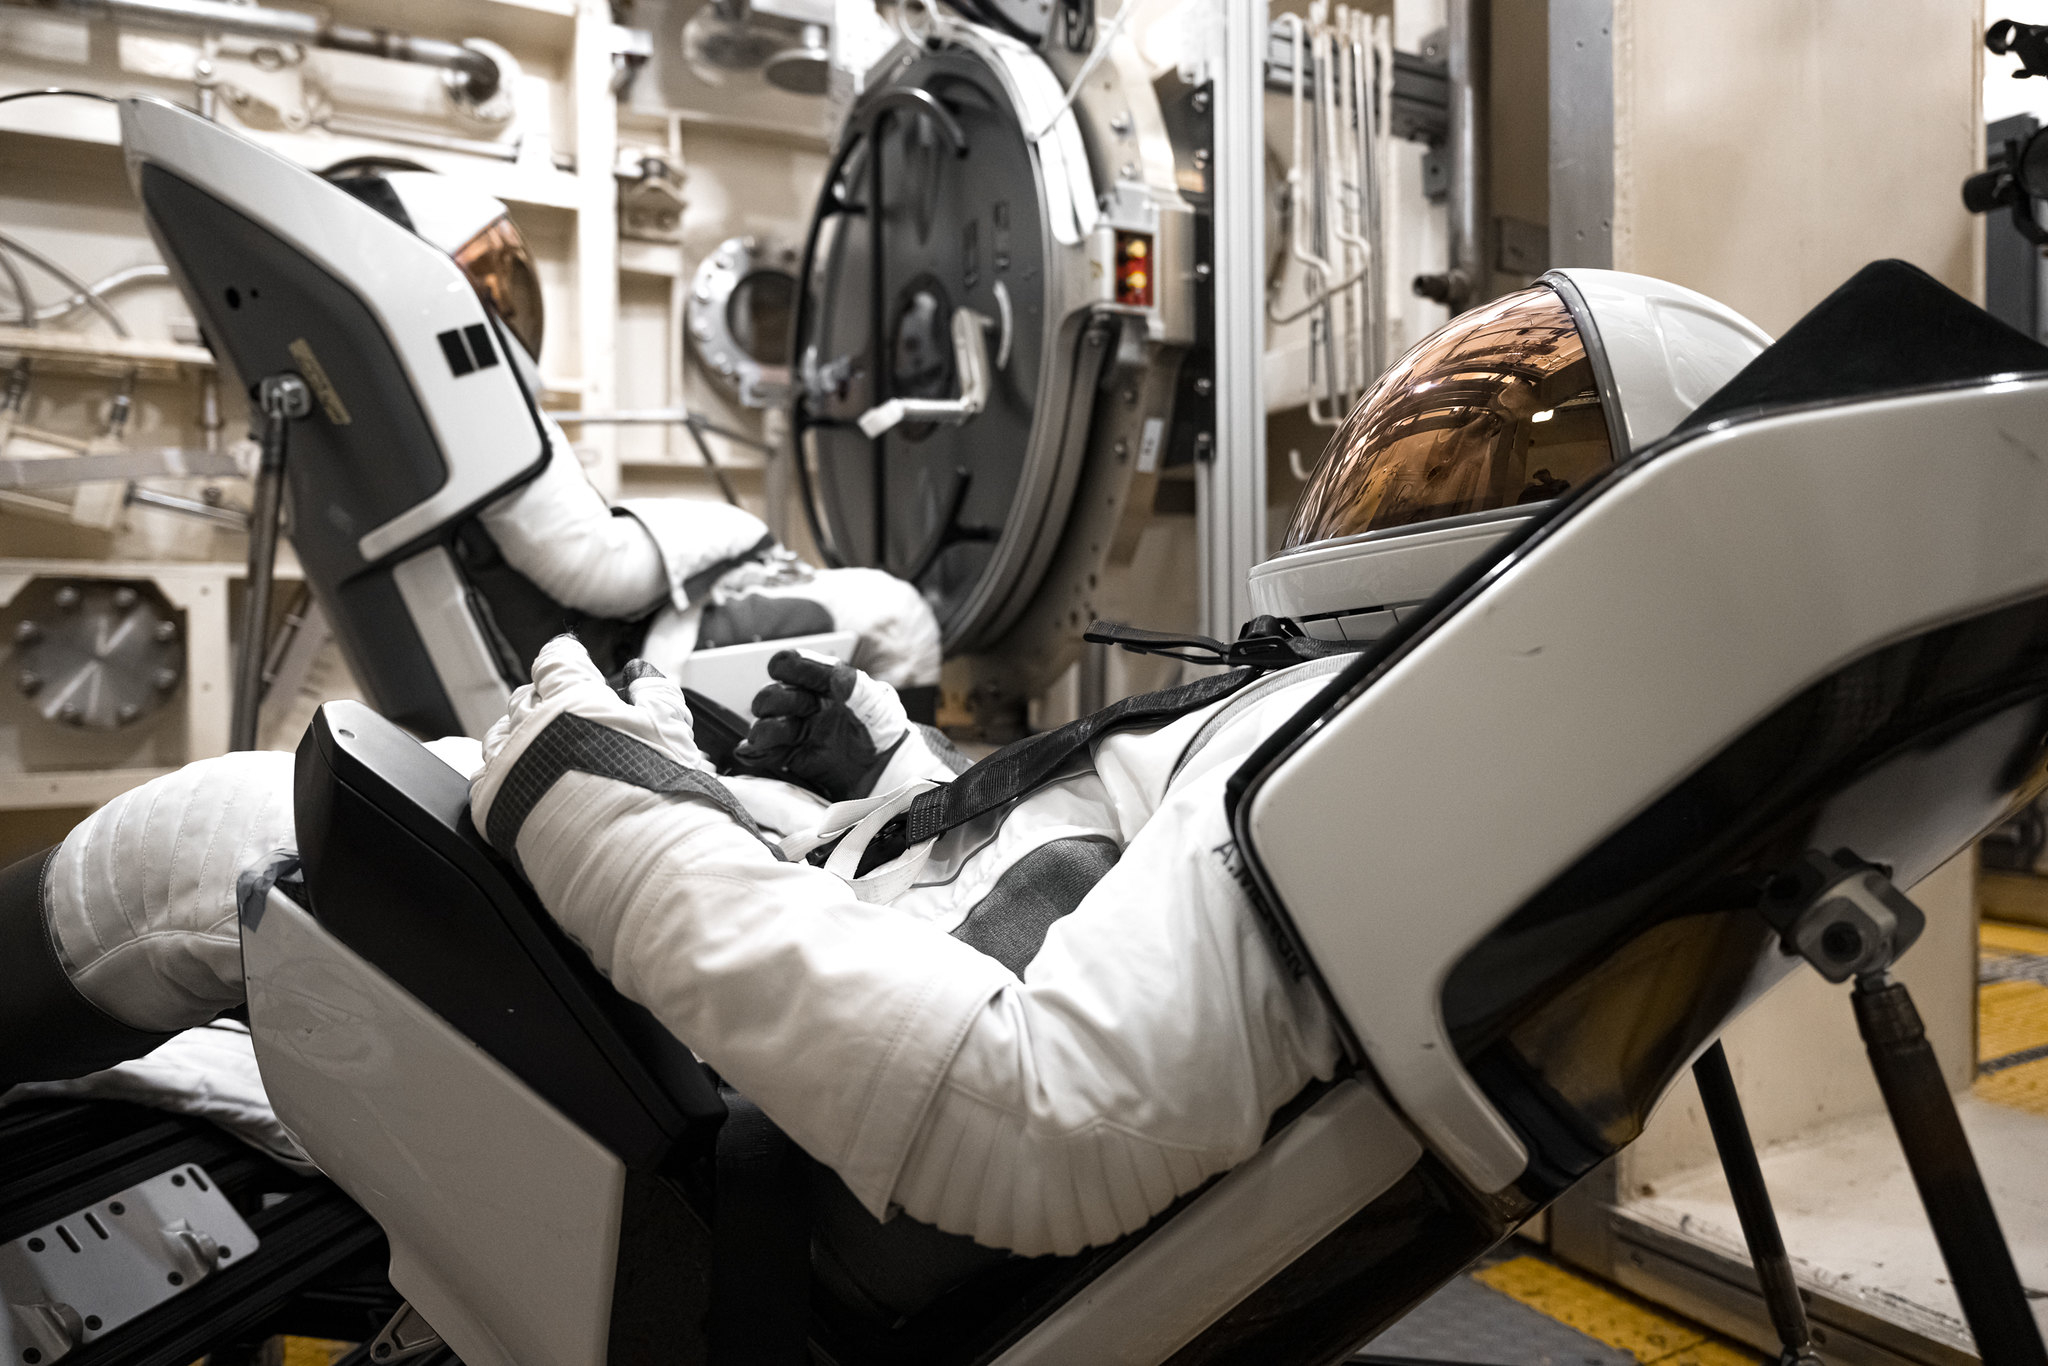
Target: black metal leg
{"points": [[283, 398], [1951, 1187], [1753, 1206]]}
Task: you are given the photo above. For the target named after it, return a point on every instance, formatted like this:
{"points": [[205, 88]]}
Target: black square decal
{"points": [[456, 352], [480, 346]]}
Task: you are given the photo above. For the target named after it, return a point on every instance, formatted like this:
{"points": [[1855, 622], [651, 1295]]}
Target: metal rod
{"points": [[174, 462], [1231, 487], [480, 74], [1469, 215], [1938, 1153], [660, 417], [283, 398], [356, 125], [187, 507], [1753, 1206], [711, 463]]}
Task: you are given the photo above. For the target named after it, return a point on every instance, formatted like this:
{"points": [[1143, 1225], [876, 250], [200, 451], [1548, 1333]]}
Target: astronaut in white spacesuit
{"points": [[704, 573], [710, 574], [1065, 1019], [1037, 1025]]}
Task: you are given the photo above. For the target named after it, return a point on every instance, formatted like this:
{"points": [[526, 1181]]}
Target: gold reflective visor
{"points": [[1497, 409], [501, 269]]}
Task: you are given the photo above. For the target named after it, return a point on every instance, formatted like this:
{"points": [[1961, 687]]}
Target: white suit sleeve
{"points": [[1041, 1116], [699, 542], [836, 1017], [558, 531]]}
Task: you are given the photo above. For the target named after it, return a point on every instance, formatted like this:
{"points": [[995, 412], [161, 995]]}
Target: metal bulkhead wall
{"points": [[990, 191]]}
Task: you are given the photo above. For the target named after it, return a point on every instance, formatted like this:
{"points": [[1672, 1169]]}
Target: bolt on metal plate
{"points": [[73, 1281]]}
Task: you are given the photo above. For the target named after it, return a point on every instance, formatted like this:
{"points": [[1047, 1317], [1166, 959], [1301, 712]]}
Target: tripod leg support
{"points": [[283, 400], [1753, 1207], [1945, 1171]]}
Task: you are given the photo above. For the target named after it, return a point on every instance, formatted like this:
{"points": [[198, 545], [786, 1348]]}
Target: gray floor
{"points": [[1473, 1323]]}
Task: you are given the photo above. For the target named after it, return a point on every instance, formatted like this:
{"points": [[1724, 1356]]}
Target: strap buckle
{"points": [[1265, 642]]}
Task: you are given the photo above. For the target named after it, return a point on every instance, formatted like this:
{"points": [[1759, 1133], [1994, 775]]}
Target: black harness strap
{"points": [[1264, 643], [576, 744], [1021, 768]]}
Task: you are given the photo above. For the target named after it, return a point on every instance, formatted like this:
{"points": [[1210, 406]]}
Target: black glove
{"points": [[824, 725]]}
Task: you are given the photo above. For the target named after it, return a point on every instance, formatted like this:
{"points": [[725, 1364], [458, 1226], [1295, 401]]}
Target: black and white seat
{"points": [[1813, 618], [424, 413]]}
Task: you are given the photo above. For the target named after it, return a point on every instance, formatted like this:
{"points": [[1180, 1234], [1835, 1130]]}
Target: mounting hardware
{"points": [[69, 1283], [1844, 916], [1841, 915], [406, 1336]]}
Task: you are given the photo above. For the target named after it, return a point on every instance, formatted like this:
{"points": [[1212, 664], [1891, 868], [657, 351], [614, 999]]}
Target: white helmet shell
{"points": [[1668, 348], [1494, 415], [444, 210]]}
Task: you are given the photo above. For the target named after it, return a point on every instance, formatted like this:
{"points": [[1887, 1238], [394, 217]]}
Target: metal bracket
{"points": [[71, 1282], [1844, 916], [1841, 914], [406, 1336]]}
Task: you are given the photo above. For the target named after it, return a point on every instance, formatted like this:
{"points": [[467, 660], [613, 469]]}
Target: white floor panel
{"points": [[1853, 1220]]}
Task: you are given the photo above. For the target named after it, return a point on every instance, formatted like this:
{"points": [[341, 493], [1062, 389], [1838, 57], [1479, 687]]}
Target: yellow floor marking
{"points": [[2007, 937], [2011, 1017], [313, 1351], [1617, 1320], [2023, 1088]]}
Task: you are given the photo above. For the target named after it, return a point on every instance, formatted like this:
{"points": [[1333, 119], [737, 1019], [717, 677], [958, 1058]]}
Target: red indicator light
{"points": [[1133, 269]]}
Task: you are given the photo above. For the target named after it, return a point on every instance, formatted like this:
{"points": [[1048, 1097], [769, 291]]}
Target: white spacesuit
{"points": [[1142, 1050], [1039, 1026], [709, 572]]}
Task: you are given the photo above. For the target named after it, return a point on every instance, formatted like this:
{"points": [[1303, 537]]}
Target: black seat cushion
{"points": [[396, 871], [1891, 327]]}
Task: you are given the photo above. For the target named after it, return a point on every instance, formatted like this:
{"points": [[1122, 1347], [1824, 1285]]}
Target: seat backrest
{"points": [[419, 415], [396, 870]]}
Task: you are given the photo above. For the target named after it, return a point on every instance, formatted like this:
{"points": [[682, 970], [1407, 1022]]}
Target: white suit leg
{"points": [[140, 898], [898, 635]]}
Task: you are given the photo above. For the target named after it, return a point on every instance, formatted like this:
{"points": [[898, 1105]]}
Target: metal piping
{"points": [[480, 75], [1469, 213], [120, 279]]}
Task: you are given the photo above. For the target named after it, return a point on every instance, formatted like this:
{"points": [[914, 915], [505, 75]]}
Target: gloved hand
{"points": [[823, 724], [568, 720]]}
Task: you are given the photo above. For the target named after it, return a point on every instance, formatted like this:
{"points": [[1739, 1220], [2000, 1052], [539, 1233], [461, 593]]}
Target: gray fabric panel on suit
{"points": [[1011, 922], [943, 748], [742, 621], [705, 579], [576, 744]]}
